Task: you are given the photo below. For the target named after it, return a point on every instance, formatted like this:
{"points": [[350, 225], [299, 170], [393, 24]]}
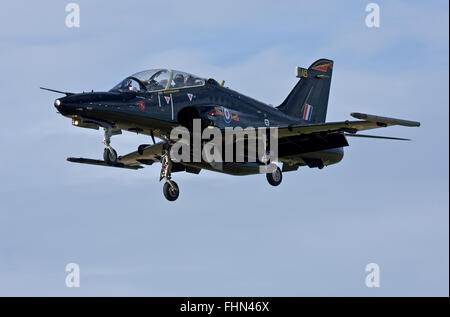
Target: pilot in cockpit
{"points": [[178, 80], [130, 85], [152, 84], [189, 80]]}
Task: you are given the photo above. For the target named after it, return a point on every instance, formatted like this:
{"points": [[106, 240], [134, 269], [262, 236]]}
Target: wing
{"points": [[83, 160], [146, 154], [293, 141], [369, 122]]}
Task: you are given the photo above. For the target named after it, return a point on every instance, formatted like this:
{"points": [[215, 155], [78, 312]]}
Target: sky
{"points": [[387, 202]]}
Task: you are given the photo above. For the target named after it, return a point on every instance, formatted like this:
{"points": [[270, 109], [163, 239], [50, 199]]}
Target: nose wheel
{"points": [[109, 154], [275, 177]]}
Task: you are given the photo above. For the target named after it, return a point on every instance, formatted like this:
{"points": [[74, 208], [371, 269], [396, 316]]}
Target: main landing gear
{"points": [[170, 189], [109, 154], [275, 177]]}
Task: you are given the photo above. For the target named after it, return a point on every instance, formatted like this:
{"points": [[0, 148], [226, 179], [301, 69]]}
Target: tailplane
{"points": [[309, 98]]}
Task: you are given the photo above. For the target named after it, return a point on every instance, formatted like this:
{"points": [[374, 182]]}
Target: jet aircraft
{"points": [[156, 101]]}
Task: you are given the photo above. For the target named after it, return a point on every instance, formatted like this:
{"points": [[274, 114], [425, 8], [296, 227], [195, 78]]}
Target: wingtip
{"points": [[384, 120]]}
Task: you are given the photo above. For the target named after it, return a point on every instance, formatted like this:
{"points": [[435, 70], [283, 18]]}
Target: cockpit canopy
{"points": [[158, 79]]}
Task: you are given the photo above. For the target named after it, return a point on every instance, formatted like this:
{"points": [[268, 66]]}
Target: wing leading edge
{"points": [[369, 122]]}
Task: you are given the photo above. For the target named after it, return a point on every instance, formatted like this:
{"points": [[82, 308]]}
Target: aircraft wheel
{"points": [[110, 156], [274, 178], [171, 193]]}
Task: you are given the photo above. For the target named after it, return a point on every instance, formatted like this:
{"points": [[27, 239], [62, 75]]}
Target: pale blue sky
{"points": [[386, 202]]}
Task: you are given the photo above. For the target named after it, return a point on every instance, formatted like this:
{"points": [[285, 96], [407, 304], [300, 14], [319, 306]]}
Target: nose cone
{"points": [[64, 106]]}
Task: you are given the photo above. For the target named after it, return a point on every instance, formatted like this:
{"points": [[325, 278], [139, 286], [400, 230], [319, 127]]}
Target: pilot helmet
{"points": [[179, 78]]}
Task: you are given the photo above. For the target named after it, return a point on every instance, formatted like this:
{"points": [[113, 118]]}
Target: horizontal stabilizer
{"points": [[384, 120], [101, 163], [376, 137]]}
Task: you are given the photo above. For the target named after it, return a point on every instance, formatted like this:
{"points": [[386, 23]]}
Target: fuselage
{"points": [[157, 112]]}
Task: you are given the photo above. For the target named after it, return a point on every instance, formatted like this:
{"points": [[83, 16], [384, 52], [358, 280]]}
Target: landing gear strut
{"points": [[170, 189], [109, 154], [275, 177]]}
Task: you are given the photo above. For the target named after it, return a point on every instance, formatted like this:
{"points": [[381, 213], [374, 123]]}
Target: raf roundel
{"points": [[141, 105], [226, 115]]}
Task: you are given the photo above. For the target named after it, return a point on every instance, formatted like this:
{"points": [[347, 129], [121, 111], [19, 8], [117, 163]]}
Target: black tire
{"points": [[275, 177], [171, 193], [110, 156]]}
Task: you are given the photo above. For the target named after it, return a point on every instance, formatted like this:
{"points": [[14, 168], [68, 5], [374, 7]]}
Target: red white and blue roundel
{"points": [[226, 115], [307, 112]]}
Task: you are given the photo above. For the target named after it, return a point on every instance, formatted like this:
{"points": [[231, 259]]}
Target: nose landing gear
{"points": [[109, 154], [170, 189]]}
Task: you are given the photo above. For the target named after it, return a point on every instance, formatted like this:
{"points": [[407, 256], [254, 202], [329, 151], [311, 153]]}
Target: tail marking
{"points": [[307, 112], [323, 67]]}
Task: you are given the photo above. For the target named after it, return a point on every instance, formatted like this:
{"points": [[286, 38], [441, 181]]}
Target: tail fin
{"points": [[309, 98]]}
